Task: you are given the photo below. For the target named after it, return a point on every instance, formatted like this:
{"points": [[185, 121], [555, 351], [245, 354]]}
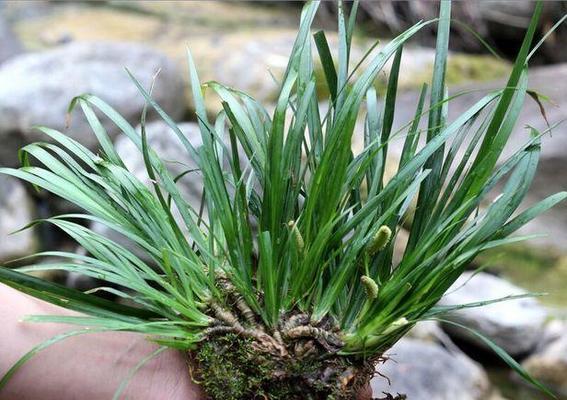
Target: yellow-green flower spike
{"points": [[380, 240], [297, 236], [370, 286]]}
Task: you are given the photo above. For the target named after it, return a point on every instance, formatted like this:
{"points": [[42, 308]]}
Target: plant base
{"points": [[297, 365]]}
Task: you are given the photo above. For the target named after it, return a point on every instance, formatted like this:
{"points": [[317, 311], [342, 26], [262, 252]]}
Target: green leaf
{"points": [[504, 356], [327, 63]]}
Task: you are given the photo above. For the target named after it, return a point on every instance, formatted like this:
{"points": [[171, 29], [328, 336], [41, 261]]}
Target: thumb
{"points": [[365, 393]]}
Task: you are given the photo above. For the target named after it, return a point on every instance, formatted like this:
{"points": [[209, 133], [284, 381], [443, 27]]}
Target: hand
{"points": [[90, 366], [365, 394]]}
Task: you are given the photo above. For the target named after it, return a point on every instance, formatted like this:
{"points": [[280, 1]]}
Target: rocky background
{"points": [[52, 51]]}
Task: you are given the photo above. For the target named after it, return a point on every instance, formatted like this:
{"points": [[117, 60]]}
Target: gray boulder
{"points": [[550, 177], [554, 330], [428, 331], [549, 364], [426, 371], [166, 144], [36, 89], [550, 81], [431, 331], [514, 325], [10, 44], [16, 211]]}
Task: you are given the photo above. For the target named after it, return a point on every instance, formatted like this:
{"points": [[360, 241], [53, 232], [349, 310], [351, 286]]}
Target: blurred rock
{"points": [[10, 44], [549, 81], [16, 211], [163, 140], [514, 325], [501, 22], [549, 364], [431, 331], [238, 44], [168, 147], [234, 43], [82, 282], [550, 177], [249, 67], [428, 331], [402, 237], [426, 371], [51, 275], [37, 88], [553, 331]]}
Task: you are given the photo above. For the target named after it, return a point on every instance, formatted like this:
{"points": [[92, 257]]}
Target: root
{"points": [[242, 359], [304, 349], [263, 342], [240, 303], [220, 330], [267, 343], [295, 321], [226, 316], [328, 340], [391, 397], [384, 376], [278, 337]]}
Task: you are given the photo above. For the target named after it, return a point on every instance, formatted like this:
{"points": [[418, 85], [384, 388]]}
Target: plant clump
{"points": [[282, 283]]}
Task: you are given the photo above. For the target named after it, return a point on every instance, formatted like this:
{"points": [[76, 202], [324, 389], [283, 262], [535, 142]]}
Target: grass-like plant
{"points": [[288, 285]]}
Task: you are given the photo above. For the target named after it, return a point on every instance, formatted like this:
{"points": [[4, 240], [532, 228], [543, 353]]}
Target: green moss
{"points": [[508, 386], [225, 373], [536, 269], [232, 368], [463, 68], [525, 257]]}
